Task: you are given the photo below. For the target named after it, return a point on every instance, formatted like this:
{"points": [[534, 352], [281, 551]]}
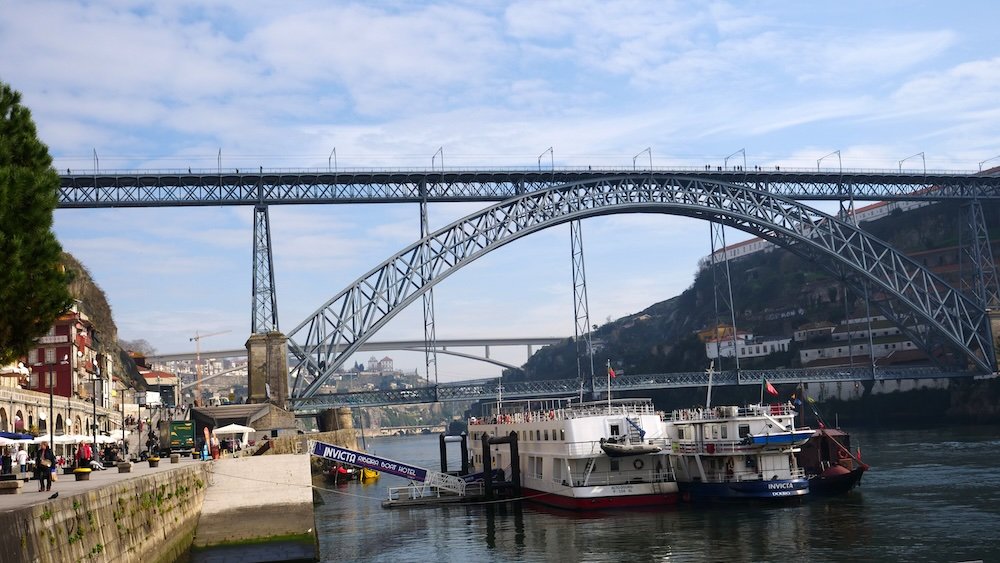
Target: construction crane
{"points": [[197, 361]]}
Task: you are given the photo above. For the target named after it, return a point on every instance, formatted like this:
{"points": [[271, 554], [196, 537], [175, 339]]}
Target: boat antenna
{"points": [[709, 371]]}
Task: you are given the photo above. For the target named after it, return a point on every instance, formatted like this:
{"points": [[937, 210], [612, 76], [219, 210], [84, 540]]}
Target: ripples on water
{"points": [[932, 495]]}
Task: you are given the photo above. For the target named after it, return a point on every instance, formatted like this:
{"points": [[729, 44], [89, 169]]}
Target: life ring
{"points": [[841, 454], [637, 463]]}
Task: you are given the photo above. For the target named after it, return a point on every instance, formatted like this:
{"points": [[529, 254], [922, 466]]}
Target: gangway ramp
{"points": [[435, 486]]}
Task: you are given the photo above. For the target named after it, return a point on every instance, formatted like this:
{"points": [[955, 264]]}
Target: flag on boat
{"points": [[611, 370], [770, 388]]}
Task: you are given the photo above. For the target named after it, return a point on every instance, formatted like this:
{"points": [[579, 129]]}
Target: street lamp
{"points": [[93, 399], [49, 422]]}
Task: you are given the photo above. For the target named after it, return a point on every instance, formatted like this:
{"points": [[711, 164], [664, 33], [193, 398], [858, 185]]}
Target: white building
{"points": [[851, 338], [747, 345]]}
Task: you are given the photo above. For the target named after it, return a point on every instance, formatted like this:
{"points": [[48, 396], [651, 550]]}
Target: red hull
{"points": [[599, 503]]}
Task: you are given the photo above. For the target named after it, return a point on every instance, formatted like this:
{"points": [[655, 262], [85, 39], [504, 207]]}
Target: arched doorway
{"points": [[19, 421], [3, 420], [59, 424]]}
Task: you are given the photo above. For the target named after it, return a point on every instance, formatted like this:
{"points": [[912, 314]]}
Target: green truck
{"points": [[181, 436]]}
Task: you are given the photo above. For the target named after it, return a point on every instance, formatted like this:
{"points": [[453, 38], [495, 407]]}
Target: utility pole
{"points": [[197, 361]]}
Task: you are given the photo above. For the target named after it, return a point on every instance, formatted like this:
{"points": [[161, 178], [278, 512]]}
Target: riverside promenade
{"points": [[68, 486]]}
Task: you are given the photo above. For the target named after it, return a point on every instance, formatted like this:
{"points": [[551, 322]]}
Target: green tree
{"points": [[33, 284]]}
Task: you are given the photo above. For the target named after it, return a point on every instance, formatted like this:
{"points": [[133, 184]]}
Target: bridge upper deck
{"points": [[160, 188]]}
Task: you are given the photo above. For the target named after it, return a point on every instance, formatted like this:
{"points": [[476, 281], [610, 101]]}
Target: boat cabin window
{"points": [[715, 431], [538, 435], [562, 434], [546, 434], [614, 464], [615, 431], [724, 432], [744, 430]]}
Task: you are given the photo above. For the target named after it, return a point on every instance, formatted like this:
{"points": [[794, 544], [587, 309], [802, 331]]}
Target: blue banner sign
{"points": [[362, 459]]}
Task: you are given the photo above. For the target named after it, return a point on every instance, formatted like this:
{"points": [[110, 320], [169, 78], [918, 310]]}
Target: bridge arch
{"points": [[919, 302]]}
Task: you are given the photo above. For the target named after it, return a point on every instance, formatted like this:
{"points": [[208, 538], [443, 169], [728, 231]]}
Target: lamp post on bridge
{"points": [[645, 150], [922, 159], [725, 161], [987, 160]]}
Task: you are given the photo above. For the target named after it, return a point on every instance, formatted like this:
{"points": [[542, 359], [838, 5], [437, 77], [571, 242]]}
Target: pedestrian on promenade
{"points": [[22, 459], [45, 464]]}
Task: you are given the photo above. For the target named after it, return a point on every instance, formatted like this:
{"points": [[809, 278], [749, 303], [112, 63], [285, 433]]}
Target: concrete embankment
{"points": [[149, 518], [264, 503]]}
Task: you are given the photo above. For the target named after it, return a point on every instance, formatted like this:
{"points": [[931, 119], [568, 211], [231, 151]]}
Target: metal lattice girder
{"points": [[474, 391], [977, 253], [430, 332], [359, 311], [264, 314], [581, 309], [172, 188]]}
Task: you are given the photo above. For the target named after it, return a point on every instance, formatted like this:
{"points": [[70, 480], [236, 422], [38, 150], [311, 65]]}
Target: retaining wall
{"points": [[150, 519]]}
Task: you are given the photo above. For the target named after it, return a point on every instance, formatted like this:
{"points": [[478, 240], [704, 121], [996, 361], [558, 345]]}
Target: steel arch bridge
{"points": [[927, 309]]}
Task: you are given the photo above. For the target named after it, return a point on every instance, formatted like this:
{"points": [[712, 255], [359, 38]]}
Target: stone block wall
{"points": [[147, 519]]}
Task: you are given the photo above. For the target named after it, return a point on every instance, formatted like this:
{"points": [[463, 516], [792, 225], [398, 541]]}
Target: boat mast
{"points": [[710, 371]]}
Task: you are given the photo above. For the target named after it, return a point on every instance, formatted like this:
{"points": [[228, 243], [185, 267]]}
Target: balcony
{"points": [[53, 339]]}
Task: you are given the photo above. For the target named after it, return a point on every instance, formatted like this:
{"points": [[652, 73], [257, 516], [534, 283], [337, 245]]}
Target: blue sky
{"points": [[171, 84]]}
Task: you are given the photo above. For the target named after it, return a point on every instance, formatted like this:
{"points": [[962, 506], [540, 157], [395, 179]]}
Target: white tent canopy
{"points": [[234, 429]]}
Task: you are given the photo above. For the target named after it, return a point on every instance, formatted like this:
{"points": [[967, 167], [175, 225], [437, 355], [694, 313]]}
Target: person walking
{"points": [[45, 464], [22, 459]]}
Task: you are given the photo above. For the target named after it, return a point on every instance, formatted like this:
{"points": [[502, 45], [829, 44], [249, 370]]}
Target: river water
{"points": [[931, 495]]}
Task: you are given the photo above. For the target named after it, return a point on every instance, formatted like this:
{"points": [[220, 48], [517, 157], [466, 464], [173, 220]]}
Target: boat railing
{"points": [[519, 417], [423, 490], [631, 477], [593, 447], [728, 412], [712, 447], [739, 476]]}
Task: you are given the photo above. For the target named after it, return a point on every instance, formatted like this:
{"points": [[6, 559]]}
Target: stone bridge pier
{"points": [[267, 368]]}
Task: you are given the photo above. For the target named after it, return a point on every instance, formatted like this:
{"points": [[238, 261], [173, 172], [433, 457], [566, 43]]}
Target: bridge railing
{"points": [[465, 391]]}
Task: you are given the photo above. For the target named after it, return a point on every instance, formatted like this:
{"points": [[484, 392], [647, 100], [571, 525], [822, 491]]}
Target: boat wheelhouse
{"points": [[732, 453], [583, 456]]}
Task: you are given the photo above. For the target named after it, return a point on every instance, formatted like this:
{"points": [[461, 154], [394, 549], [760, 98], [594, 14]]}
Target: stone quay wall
{"points": [[146, 519]]}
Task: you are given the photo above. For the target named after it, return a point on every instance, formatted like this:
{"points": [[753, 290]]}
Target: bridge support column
{"points": [[331, 420], [267, 367], [994, 316]]}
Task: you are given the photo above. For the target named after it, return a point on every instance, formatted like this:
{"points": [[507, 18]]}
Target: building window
{"points": [[50, 355], [32, 357]]}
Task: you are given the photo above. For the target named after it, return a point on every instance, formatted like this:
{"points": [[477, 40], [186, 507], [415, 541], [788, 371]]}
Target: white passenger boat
{"points": [[561, 459], [732, 453]]}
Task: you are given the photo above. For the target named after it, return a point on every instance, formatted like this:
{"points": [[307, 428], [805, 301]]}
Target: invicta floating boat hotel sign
{"points": [[362, 459]]}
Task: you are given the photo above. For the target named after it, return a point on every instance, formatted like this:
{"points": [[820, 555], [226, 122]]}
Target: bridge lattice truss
{"points": [[487, 390], [271, 187], [930, 312]]}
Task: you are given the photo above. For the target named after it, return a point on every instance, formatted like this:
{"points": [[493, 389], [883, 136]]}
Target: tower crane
{"points": [[197, 361]]}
